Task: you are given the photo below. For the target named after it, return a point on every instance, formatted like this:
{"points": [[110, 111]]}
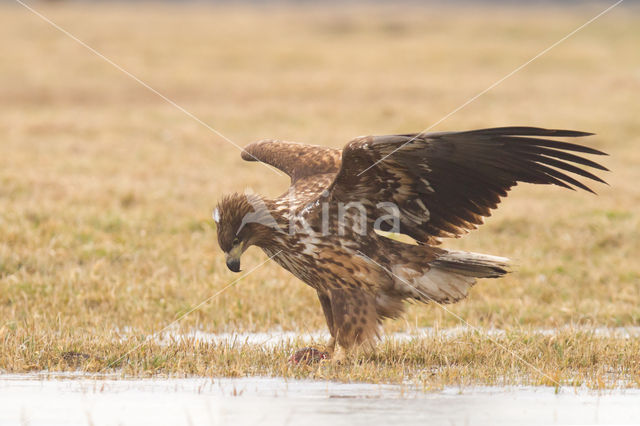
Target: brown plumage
{"points": [[427, 186]]}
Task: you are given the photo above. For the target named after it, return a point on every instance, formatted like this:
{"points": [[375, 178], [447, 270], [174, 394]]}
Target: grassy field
{"points": [[106, 190]]}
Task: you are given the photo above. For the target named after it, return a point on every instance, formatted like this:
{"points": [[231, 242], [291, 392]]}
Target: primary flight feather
{"points": [[429, 186]]}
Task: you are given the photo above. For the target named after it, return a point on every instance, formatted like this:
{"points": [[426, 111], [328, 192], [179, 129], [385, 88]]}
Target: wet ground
{"points": [[37, 399]]}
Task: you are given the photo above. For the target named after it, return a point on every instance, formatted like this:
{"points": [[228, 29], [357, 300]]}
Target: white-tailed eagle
{"points": [[429, 186]]}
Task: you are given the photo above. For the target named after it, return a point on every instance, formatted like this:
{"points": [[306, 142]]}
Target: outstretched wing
{"points": [[445, 183], [295, 159]]}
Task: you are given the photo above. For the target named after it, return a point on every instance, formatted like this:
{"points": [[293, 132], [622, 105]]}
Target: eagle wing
{"points": [[445, 183], [295, 159]]}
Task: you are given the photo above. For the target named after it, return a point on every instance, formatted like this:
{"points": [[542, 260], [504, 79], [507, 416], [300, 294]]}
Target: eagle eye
{"points": [[236, 241]]}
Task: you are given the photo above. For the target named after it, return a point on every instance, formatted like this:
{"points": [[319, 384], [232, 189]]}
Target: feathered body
{"points": [[325, 228]]}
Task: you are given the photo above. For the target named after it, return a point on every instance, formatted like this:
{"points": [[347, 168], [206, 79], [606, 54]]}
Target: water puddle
{"points": [[68, 399]]}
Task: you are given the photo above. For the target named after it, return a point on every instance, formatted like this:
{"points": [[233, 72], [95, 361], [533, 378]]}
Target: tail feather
{"points": [[448, 277]]}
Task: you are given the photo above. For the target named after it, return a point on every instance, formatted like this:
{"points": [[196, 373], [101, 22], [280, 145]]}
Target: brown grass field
{"points": [[106, 190]]}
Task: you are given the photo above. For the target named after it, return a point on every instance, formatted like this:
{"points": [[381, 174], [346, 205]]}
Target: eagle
{"points": [[331, 228]]}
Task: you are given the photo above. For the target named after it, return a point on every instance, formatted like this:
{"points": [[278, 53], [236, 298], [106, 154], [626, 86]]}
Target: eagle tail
{"points": [[471, 264], [448, 277]]}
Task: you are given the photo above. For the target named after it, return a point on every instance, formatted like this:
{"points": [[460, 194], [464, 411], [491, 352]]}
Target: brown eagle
{"points": [[326, 228]]}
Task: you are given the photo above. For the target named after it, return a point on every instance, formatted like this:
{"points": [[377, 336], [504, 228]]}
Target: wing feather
{"points": [[295, 159], [458, 176]]}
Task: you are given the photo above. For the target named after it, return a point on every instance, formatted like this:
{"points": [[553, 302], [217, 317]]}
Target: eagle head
{"points": [[242, 220]]}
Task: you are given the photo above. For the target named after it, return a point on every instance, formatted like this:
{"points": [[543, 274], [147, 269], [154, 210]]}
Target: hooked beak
{"points": [[233, 264], [233, 258]]}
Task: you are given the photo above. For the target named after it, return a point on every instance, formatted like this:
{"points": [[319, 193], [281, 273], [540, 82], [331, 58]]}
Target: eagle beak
{"points": [[233, 264], [233, 258]]}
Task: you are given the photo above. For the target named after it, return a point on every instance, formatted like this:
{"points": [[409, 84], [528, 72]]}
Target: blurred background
{"points": [[107, 187]]}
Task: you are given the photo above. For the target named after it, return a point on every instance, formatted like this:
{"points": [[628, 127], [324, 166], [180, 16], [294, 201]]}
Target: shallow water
{"points": [[275, 337], [68, 400]]}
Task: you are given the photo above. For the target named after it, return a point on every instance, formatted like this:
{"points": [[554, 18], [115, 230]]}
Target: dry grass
{"points": [[106, 190], [569, 358]]}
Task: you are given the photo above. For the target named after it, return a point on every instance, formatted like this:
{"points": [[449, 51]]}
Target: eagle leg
{"points": [[325, 301], [355, 320], [352, 319]]}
